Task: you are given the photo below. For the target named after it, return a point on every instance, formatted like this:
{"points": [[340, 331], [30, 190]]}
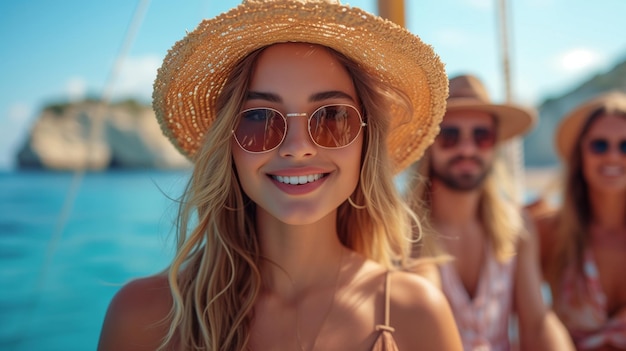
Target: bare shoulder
{"points": [[546, 227], [135, 319], [420, 314], [427, 268], [412, 292]]}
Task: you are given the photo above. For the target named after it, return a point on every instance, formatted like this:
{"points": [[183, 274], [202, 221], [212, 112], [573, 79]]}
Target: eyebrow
{"points": [[333, 94], [326, 95], [257, 95]]}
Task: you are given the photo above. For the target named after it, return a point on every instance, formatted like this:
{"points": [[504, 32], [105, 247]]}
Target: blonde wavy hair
{"points": [[215, 277], [575, 214], [498, 210]]}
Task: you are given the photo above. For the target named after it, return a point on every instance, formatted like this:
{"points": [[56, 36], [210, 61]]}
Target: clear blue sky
{"points": [[63, 50]]}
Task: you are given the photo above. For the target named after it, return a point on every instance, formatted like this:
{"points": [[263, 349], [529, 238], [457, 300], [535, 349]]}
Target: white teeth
{"points": [[612, 171], [298, 179]]}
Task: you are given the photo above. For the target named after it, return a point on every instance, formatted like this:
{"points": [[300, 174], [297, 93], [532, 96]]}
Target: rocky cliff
{"points": [[539, 144], [94, 136]]}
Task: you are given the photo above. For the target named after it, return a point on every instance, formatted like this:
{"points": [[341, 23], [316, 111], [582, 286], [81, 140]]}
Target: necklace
{"points": [[330, 308]]}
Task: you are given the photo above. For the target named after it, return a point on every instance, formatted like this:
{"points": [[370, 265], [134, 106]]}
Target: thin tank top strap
{"points": [[386, 325], [387, 288], [385, 341]]}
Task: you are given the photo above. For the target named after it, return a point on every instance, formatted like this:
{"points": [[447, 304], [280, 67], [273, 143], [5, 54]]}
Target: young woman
{"points": [[583, 245], [296, 116]]}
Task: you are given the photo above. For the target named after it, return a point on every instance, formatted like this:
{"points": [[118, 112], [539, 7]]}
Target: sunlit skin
{"points": [[606, 172], [464, 166], [605, 175], [299, 79], [291, 223]]}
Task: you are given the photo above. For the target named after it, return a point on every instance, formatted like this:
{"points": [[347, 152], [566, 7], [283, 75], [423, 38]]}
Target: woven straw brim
{"points": [[513, 120], [570, 127], [195, 69]]}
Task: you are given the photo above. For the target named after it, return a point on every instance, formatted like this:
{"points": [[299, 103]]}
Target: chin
{"points": [[298, 215], [617, 187]]}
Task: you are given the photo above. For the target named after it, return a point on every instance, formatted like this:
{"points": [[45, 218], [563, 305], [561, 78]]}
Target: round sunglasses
{"points": [[482, 137], [263, 129], [602, 146]]}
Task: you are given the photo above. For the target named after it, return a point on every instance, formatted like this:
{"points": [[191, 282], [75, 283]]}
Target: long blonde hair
{"points": [[215, 277], [498, 212], [575, 214]]}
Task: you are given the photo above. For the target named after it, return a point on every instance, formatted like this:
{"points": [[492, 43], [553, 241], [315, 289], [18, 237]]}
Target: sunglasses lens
{"points": [[598, 146], [335, 126], [484, 138], [260, 129], [448, 137], [622, 147], [263, 129]]}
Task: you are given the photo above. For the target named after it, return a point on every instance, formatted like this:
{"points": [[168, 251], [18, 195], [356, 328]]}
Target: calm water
{"points": [[59, 269], [60, 265]]}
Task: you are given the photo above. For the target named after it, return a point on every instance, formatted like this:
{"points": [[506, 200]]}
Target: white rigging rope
{"points": [[94, 135]]}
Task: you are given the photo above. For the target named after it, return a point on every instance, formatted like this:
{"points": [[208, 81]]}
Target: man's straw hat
{"points": [[570, 127], [468, 93], [195, 69]]}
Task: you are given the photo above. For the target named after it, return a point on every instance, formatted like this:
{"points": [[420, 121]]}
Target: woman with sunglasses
{"points": [[493, 272], [583, 247], [296, 115]]}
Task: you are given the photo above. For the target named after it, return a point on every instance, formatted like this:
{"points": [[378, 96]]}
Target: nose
{"points": [[297, 143], [614, 153], [466, 145]]}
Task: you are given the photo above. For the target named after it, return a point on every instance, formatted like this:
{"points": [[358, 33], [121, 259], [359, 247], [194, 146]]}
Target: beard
{"points": [[464, 181]]}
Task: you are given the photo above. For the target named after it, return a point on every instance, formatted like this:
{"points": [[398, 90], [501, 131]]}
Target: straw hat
{"points": [[196, 67], [468, 92], [570, 127]]}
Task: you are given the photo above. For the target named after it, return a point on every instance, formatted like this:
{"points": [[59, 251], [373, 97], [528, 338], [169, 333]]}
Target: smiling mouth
{"points": [[298, 180], [612, 171]]}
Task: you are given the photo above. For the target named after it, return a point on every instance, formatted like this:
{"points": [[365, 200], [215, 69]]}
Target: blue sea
{"points": [[69, 241], [67, 244]]}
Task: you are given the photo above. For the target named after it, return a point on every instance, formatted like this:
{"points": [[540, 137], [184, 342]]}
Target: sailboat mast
{"points": [[512, 152], [392, 10], [504, 48]]}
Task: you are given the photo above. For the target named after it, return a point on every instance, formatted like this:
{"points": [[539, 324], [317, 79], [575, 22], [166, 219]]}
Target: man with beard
{"points": [[485, 252]]}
